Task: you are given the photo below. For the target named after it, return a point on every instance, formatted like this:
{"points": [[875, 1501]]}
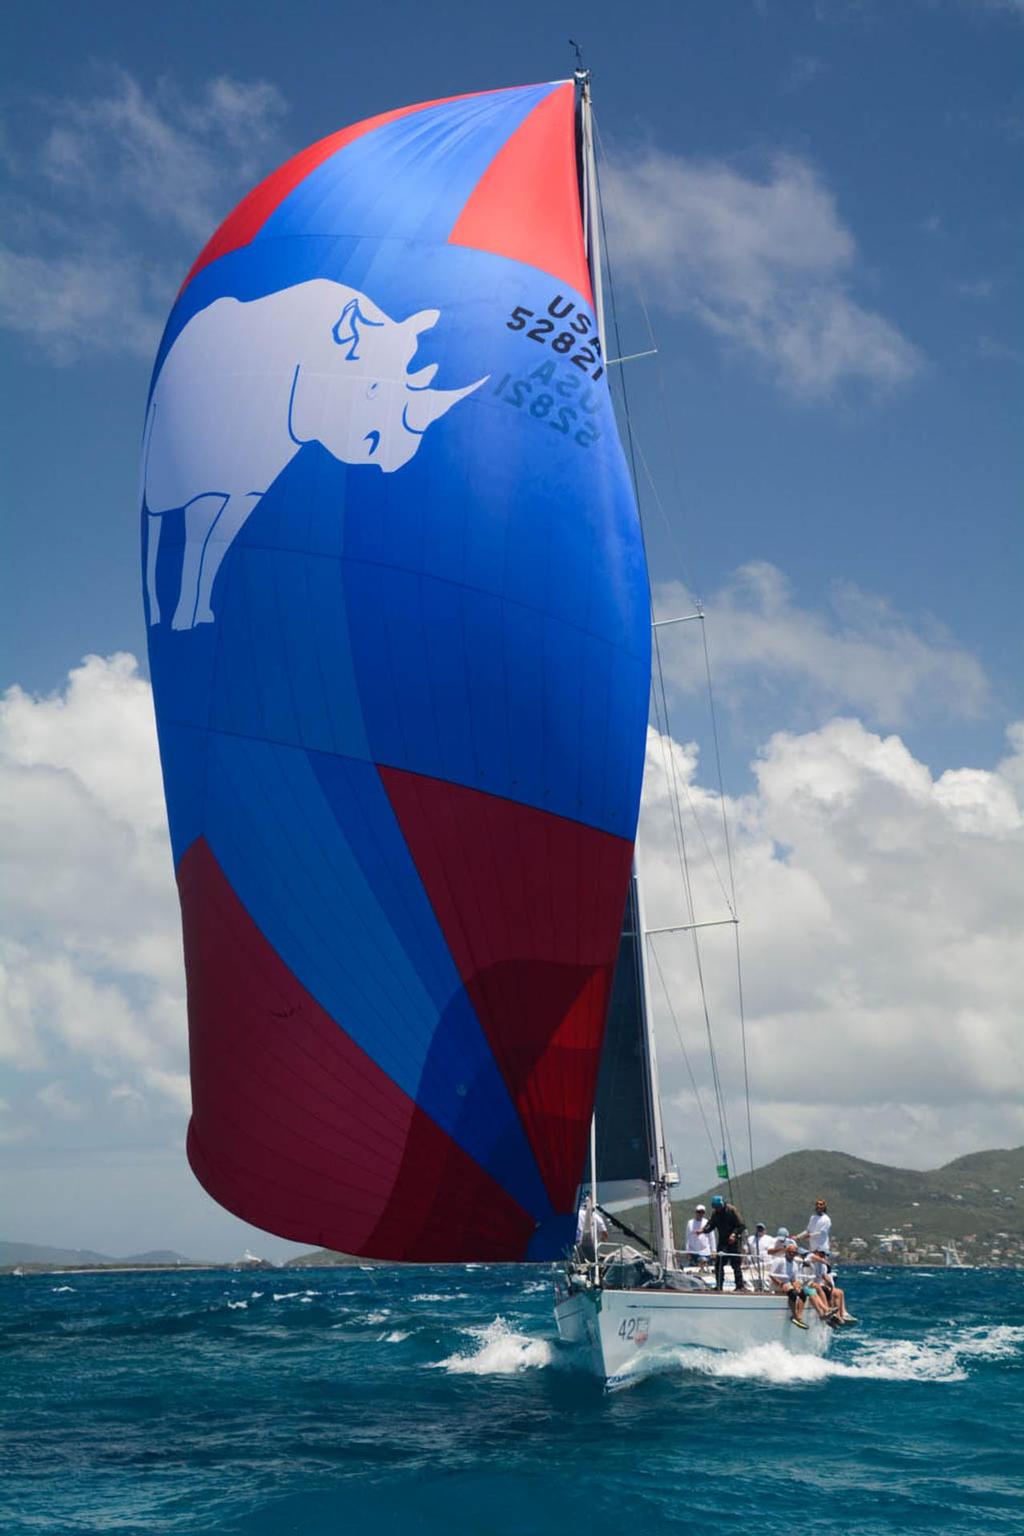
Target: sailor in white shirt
{"points": [[819, 1228], [788, 1275], [759, 1245], [700, 1245], [590, 1224]]}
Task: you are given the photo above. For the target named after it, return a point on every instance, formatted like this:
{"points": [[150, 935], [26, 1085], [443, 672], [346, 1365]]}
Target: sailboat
{"points": [[399, 635]]}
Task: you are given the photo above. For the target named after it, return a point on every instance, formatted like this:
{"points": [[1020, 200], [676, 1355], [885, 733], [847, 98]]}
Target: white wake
{"points": [[500, 1351], [939, 1357]]}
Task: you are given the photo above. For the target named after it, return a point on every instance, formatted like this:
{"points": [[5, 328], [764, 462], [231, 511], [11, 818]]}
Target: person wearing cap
{"points": [[787, 1276], [728, 1226], [759, 1245], [699, 1247], [779, 1241]]}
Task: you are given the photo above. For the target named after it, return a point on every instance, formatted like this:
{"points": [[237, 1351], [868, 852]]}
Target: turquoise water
{"points": [[438, 1400]]}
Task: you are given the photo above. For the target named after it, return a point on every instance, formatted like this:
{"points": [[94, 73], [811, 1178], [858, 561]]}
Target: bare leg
{"points": [[223, 532], [819, 1303], [153, 528]]}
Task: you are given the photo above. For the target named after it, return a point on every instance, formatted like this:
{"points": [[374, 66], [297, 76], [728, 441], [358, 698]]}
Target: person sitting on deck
{"points": [[833, 1294], [787, 1276], [590, 1224], [728, 1226]]}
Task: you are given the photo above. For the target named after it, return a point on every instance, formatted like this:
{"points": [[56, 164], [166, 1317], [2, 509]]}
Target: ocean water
{"points": [[439, 1400]]}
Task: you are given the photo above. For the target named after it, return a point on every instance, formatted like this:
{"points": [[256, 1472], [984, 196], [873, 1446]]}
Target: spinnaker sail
{"points": [[399, 641]]}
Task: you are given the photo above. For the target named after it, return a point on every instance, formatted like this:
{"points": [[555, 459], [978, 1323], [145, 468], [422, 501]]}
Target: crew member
{"points": [[819, 1228], [590, 1224], [759, 1244], [728, 1226], [699, 1248], [832, 1292], [787, 1275]]}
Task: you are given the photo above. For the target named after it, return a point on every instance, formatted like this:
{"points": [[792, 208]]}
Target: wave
{"points": [[500, 1351], [237, 1305], [396, 1336], [938, 1357]]}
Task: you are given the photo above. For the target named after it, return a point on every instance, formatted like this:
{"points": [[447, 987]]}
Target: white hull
{"points": [[625, 1332]]}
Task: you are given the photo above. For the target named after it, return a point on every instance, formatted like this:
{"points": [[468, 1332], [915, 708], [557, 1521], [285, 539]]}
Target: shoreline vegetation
{"points": [[881, 1215]]}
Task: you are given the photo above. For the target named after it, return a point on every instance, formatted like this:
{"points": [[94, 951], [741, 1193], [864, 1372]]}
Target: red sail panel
{"points": [[531, 907], [248, 218], [526, 205], [295, 1129]]}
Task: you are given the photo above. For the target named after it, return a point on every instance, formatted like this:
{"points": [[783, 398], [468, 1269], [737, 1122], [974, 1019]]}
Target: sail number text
{"points": [[563, 400], [545, 330]]}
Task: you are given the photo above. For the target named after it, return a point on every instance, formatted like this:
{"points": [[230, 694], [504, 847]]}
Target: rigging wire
{"points": [[734, 905], [635, 452], [682, 1046]]}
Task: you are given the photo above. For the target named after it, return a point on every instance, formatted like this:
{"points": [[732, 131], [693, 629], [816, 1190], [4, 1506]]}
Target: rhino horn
{"points": [[423, 406]]}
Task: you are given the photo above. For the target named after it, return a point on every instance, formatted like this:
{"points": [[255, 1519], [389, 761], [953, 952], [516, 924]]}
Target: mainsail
{"points": [[625, 1136], [399, 640]]}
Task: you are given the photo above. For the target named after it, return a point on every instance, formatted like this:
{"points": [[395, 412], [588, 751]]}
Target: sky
{"points": [[813, 213]]}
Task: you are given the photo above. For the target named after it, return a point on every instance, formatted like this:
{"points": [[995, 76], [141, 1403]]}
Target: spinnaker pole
{"points": [[662, 1175]]}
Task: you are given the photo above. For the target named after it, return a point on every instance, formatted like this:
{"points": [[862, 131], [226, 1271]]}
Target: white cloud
{"points": [[883, 965], [857, 653], [55, 1099], [90, 960], [765, 262], [884, 977], [111, 196]]}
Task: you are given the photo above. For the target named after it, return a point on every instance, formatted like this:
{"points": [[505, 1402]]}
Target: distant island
{"points": [[880, 1214], [35, 1257]]}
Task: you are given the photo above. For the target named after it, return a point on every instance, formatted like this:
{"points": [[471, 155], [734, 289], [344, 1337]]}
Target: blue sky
{"points": [[819, 204]]}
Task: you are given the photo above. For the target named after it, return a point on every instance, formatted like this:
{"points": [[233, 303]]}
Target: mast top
{"points": [[581, 74]]}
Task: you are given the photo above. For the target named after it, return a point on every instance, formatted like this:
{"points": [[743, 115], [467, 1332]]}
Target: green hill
{"points": [[976, 1201]]}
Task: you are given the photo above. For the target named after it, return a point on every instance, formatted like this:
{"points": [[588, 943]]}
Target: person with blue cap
{"points": [[728, 1226]]}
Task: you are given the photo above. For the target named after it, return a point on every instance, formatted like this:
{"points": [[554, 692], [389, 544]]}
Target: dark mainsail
{"points": [[624, 1169]]}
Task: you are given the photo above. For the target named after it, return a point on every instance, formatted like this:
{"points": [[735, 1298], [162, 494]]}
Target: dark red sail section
{"points": [[531, 907], [295, 1129]]}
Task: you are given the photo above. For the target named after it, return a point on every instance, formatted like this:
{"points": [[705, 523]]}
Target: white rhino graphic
{"points": [[246, 384]]}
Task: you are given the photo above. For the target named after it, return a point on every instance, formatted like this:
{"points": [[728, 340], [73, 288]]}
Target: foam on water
{"points": [[396, 1336], [500, 1351], [938, 1357], [238, 1305]]}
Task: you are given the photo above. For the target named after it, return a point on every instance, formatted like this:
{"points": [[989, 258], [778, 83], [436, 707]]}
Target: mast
{"points": [[663, 1177]]}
